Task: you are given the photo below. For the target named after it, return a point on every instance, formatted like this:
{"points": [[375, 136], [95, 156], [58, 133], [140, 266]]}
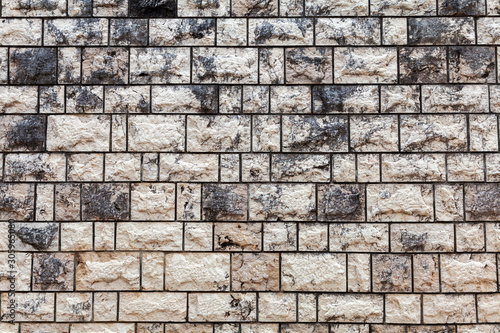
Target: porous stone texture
{"points": [[249, 166]]}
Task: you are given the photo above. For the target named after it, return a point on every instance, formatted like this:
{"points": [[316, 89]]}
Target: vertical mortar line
{"points": [[447, 64], [496, 262], [117, 306], [412, 273], [439, 270], [140, 269], [347, 272]]}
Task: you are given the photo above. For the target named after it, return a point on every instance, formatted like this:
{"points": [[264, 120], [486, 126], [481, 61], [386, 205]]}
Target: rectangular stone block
{"points": [[348, 31], [300, 168], [350, 308], [356, 237], [156, 132], [442, 309], [281, 31], [150, 236], [298, 65], [78, 31], [413, 167], [234, 307], [440, 31], [422, 238], [20, 31], [154, 306], [160, 65], [184, 99], [180, 32], [345, 99], [78, 133], [231, 65]]}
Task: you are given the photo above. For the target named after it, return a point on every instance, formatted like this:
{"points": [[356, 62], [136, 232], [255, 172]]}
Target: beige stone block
{"points": [[105, 306], [153, 202], [313, 237], [344, 168], [422, 238], [107, 271], [306, 311], [123, 167], [487, 308], [197, 271], [365, 65], [198, 236], [465, 167], [157, 236], [468, 272], [78, 133], [391, 273], [22, 268], [280, 307], [470, 237], [280, 236], [189, 167], [188, 202], [104, 238], [74, 307], [355, 237], [442, 309], [153, 132], [426, 273], [238, 236], [222, 307], [255, 271], [350, 308], [402, 309], [85, 167], [25, 311], [449, 202], [76, 236], [313, 272], [103, 328], [358, 272], [152, 270], [44, 202]]}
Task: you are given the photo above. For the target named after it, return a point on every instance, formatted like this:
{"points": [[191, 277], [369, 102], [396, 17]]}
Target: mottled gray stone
{"points": [[300, 167], [439, 31], [203, 8], [482, 202], [392, 273], [472, 64], [282, 31], [84, 99], [159, 65], [105, 202], [254, 7], [40, 236], [422, 238], [156, 8], [51, 99], [336, 8], [33, 66], [341, 203], [365, 65], [271, 65], [374, 133], [53, 271], [231, 65], [314, 133], [345, 99], [359, 237], [35, 167], [422, 65], [34, 8], [256, 99], [224, 202], [461, 7], [82, 31], [455, 99], [105, 65], [17, 201], [400, 99], [290, 99], [125, 32], [403, 7], [176, 32], [22, 133], [309, 65], [348, 31], [133, 99]]}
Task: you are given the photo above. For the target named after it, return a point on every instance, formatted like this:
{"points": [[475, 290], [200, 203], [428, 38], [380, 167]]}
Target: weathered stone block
{"points": [[154, 236], [224, 202], [53, 271], [413, 167], [78, 133], [442, 309], [105, 66], [309, 65], [22, 133], [156, 132], [160, 65], [238, 236], [254, 8], [282, 31], [422, 65], [300, 168], [222, 307], [33, 66], [81, 31], [189, 167], [422, 238], [440, 31], [20, 31], [365, 237], [374, 133], [350, 308], [341, 202], [345, 99], [160, 8], [259, 271], [84, 99], [482, 202], [125, 32], [177, 32], [17, 201], [280, 307], [472, 64], [155, 306]]}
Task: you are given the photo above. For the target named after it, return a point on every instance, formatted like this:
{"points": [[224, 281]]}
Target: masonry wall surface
{"points": [[250, 166]]}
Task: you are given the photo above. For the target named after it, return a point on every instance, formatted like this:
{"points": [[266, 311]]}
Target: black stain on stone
{"points": [[27, 133], [332, 132], [85, 99], [105, 202], [483, 202], [33, 66], [413, 242], [208, 97], [435, 31], [51, 272], [423, 65], [332, 98], [39, 238], [342, 202], [19, 206], [129, 32], [480, 60], [222, 203], [153, 8], [462, 8]]}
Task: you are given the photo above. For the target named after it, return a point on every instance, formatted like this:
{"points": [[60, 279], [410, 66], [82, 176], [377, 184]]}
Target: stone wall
{"points": [[250, 166]]}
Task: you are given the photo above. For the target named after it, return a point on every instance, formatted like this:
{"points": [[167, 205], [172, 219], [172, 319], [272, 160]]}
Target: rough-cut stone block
{"points": [[218, 133], [222, 307], [121, 99], [351, 237], [177, 32], [348, 31], [300, 167], [254, 8], [350, 308], [34, 8], [440, 31], [399, 202], [231, 32], [442, 309], [53, 271], [238, 236], [468, 273], [314, 133], [35, 167], [197, 271], [282, 202], [482, 202], [345, 99], [33, 66], [462, 7], [488, 30], [224, 202], [203, 8], [107, 271], [422, 65], [422, 238], [454, 99], [280, 236], [69, 65], [426, 273], [162, 236], [189, 167], [280, 307], [233, 65], [337, 8], [155, 306], [82, 31], [78, 133], [255, 167], [374, 133], [184, 99], [483, 132], [403, 7], [126, 32], [394, 31], [470, 237], [159, 8], [84, 99], [365, 65], [255, 271], [33, 306], [271, 65], [420, 133], [402, 309], [22, 133], [391, 273], [105, 65], [67, 202], [309, 65], [282, 31], [156, 133], [413, 167], [17, 201], [20, 31], [105, 202], [472, 64], [341, 202], [74, 307], [160, 65], [313, 272]]}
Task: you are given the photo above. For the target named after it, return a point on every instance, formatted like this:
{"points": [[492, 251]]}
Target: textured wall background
{"points": [[254, 166]]}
